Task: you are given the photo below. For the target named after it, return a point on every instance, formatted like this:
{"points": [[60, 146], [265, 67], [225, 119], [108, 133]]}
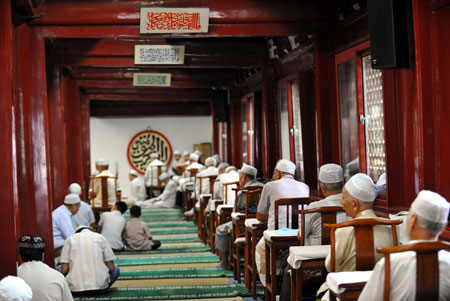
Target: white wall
{"points": [[110, 138]]}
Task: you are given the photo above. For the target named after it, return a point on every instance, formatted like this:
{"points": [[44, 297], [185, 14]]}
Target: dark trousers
{"points": [[156, 244]]}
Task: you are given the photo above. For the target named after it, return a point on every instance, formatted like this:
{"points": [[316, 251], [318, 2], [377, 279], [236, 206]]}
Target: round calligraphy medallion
{"points": [[145, 143]]}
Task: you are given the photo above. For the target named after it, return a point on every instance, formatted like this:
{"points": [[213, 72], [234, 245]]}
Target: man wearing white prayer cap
{"points": [[137, 188], [62, 221], [247, 178], [210, 170], [283, 186], [175, 161], [151, 172], [358, 196], [85, 215], [102, 166], [13, 288], [167, 198], [427, 219], [218, 187]]}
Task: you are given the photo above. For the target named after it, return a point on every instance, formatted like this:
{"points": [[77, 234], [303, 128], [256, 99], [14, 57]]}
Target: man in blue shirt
{"points": [[62, 221]]}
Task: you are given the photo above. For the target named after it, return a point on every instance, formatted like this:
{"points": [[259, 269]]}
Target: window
{"points": [[248, 129]]}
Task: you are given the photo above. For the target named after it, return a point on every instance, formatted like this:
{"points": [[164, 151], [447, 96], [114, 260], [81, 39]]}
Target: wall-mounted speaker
{"points": [[388, 30], [220, 105]]}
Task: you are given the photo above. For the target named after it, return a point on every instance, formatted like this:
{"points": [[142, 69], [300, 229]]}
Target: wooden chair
{"points": [[226, 212], [252, 235], [104, 207], [427, 279], [364, 250], [159, 186], [328, 216], [202, 218], [252, 196], [280, 244]]}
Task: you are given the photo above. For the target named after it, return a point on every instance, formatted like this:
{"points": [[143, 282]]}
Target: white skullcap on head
{"points": [[223, 165], [175, 179], [193, 157], [15, 288], [331, 173], [210, 161], [198, 153], [286, 166], [431, 206], [230, 168], [133, 172], [250, 170], [164, 176], [75, 188], [101, 162], [186, 153], [361, 187], [71, 199], [154, 155], [217, 157], [177, 152]]}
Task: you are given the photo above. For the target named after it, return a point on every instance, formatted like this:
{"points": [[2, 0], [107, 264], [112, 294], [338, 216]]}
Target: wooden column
{"points": [[85, 142], [236, 129], [8, 249]]}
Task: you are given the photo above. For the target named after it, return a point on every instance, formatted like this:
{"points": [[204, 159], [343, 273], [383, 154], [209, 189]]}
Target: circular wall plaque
{"points": [[145, 143]]}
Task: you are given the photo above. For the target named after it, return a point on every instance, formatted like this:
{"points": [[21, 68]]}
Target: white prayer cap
{"points": [[177, 152], [217, 157], [15, 289], [431, 206], [361, 187], [193, 157], [154, 155], [133, 172], [230, 168], [164, 176], [223, 165], [286, 166], [248, 169], [331, 173], [186, 153], [175, 179], [101, 162], [71, 199], [75, 188], [210, 161], [198, 153]]}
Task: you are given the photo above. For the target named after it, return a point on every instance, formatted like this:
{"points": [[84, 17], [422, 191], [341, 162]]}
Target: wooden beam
{"points": [[175, 84], [147, 97], [155, 92], [108, 108]]}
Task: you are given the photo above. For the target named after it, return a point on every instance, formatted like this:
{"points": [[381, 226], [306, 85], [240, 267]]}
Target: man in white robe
{"points": [[167, 198], [102, 166], [210, 170], [283, 186], [137, 188], [151, 172], [426, 220], [174, 170]]}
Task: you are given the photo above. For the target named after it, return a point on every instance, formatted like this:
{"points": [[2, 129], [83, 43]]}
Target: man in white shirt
{"points": [[175, 161], [46, 283], [218, 187], [138, 192], [62, 221], [166, 199], [102, 166], [112, 225], [84, 216], [151, 172], [210, 170], [426, 220], [283, 186], [88, 261]]}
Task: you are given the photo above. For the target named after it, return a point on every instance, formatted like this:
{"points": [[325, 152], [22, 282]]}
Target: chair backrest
{"points": [[104, 185], [364, 242], [328, 216], [427, 280], [252, 196], [193, 172], [159, 173], [226, 189], [212, 179], [292, 205]]}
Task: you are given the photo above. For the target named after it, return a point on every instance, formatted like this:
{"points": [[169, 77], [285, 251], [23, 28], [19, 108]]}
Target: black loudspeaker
{"points": [[388, 28], [220, 105]]}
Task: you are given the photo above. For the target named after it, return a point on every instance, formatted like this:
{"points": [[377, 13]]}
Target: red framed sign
{"points": [[145, 143]]}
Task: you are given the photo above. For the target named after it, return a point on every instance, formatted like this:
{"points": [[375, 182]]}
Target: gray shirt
{"points": [[137, 235], [241, 197], [113, 224]]}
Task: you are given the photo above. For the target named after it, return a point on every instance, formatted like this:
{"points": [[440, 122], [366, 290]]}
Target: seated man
{"points": [[46, 283], [167, 198], [247, 177], [137, 235], [427, 219], [175, 161], [358, 196], [112, 225], [88, 262], [62, 221], [84, 216], [218, 187], [283, 186], [210, 170], [138, 192], [14, 288], [102, 167], [151, 172]]}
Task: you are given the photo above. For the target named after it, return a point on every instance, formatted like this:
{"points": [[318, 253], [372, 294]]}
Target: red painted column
{"points": [[8, 249]]}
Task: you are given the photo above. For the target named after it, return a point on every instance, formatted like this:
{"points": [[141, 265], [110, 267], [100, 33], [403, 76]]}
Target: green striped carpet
{"points": [[163, 250], [174, 273], [166, 260]]}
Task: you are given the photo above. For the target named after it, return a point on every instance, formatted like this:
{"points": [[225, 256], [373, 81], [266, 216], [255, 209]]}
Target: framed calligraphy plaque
{"points": [[174, 20], [145, 143], [158, 55], [151, 79]]}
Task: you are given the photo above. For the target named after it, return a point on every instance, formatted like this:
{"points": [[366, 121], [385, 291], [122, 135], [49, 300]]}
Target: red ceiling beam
{"points": [[106, 94], [174, 84], [221, 12]]}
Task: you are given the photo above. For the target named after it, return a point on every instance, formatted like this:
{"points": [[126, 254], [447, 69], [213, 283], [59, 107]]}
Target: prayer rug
{"points": [[171, 282], [163, 250], [167, 260], [174, 273], [174, 231]]}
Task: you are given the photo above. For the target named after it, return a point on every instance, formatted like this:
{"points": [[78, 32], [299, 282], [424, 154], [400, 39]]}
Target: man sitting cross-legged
{"points": [[137, 235], [112, 225]]}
